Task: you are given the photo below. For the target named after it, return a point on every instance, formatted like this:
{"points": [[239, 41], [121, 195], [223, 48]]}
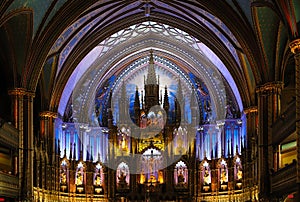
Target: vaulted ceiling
{"points": [[42, 42]]}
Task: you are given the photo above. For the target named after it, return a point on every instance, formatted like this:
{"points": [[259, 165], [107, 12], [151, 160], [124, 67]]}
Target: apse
{"points": [[122, 60]]}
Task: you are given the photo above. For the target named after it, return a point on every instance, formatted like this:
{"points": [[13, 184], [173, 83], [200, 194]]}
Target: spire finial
{"points": [[99, 159], [151, 75], [166, 104], [179, 94], [123, 90]]}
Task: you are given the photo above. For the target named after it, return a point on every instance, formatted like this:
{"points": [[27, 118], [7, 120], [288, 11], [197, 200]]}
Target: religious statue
{"points": [[239, 174], [180, 148], [124, 143], [180, 177], [122, 179], [63, 178], [152, 178], [142, 178], [79, 179], [223, 176], [206, 177], [98, 180], [160, 177]]}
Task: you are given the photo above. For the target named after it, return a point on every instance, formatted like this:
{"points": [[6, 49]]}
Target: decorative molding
{"points": [[270, 87], [22, 92], [48, 114], [295, 46], [252, 109]]}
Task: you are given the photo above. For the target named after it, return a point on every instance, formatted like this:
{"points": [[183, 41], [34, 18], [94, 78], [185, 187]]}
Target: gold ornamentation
{"points": [[21, 91], [268, 87], [249, 110], [48, 114], [295, 46]]}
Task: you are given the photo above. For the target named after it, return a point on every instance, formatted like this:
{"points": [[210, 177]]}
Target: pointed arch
{"points": [[80, 177], [64, 174], [123, 175], [205, 175], [238, 172], [223, 174], [98, 178], [181, 174], [181, 140]]}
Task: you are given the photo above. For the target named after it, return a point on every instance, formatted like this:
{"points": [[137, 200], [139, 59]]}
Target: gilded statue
{"points": [[206, 177], [79, 179]]}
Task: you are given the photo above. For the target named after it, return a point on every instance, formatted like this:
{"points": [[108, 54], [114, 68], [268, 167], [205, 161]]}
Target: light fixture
{"points": [[79, 189], [98, 190]]}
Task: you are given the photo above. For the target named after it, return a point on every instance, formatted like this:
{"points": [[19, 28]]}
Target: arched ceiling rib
{"points": [[52, 17], [191, 54], [75, 57], [221, 29]]}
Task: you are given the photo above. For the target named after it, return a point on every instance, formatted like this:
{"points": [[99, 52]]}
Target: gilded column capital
{"points": [[17, 91], [295, 46], [22, 92], [275, 86], [48, 114], [252, 109]]}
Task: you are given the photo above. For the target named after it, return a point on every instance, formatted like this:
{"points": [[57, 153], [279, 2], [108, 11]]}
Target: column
{"points": [[268, 111], [47, 130], [23, 120], [221, 138], [251, 174], [295, 48], [47, 135]]}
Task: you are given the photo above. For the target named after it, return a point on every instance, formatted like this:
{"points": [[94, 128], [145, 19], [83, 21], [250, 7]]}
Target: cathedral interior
{"points": [[150, 100]]}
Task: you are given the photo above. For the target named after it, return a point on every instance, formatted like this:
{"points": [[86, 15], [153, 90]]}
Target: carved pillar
{"points": [[268, 111], [111, 183], [295, 48], [105, 182], [251, 175], [89, 186], [47, 135], [23, 121], [47, 131]]}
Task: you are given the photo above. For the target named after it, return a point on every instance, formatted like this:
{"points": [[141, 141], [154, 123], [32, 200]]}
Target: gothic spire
{"points": [[91, 158], [137, 99], [74, 151], [179, 94], [109, 112], [137, 107], [123, 92], [151, 75], [179, 104], [194, 107], [123, 105], [166, 105], [99, 159], [87, 153]]}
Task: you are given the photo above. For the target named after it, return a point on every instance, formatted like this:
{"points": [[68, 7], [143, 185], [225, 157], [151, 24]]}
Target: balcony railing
{"points": [[284, 180], [9, 185], [8, 134], [285, 125]]}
